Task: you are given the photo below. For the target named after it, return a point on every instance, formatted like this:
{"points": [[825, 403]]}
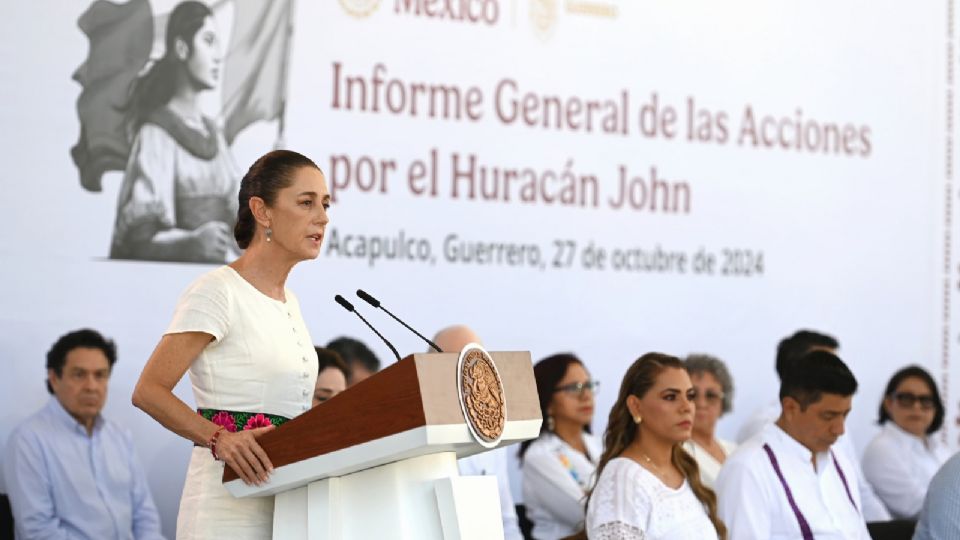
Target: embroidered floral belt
{"points": [[234, 421]]}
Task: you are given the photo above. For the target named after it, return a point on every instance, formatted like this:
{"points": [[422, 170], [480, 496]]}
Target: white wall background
{"points": [[852, 245]]}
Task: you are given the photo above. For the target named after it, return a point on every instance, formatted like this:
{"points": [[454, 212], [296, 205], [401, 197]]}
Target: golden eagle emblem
{"points": [[481, 393]]}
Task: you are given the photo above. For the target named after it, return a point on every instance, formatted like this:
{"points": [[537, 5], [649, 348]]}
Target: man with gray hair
{"points": [[493, 462]]}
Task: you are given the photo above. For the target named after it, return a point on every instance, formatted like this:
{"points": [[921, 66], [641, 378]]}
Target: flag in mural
{"points": [[121, 39], [254, 86], [120, 45]]}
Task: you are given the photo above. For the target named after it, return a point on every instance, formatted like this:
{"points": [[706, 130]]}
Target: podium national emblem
{"points": [[481, 395]]}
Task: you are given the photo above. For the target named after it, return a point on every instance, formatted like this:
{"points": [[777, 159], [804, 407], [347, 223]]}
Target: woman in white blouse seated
{"points": [[558, 467], [904, 456], [649, 487], [714, 387]]}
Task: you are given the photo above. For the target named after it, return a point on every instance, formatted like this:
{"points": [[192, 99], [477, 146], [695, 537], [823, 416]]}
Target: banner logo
{"points": [[360, 8], [543, 16]]}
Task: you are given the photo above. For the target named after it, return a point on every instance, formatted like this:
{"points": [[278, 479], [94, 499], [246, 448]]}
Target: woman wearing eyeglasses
{"points": [[904, 456], [558, 466], [714, 388]]}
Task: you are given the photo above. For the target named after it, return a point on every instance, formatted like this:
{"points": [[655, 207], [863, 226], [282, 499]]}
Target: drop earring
{"points": [[269, 233], [550, 423]]}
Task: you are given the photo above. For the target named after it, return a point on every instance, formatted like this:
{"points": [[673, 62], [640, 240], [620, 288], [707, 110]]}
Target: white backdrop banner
{"points": [[601, 177]]}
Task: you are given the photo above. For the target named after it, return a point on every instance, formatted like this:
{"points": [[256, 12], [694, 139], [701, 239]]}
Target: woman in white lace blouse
{"points": [[649, 487]]}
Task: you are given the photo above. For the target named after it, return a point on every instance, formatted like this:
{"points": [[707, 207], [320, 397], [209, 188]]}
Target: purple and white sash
{"points": [[804, 526]]}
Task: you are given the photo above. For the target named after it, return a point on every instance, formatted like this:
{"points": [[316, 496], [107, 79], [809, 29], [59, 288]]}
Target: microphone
{"points": [[376, 303], [349, 307]]}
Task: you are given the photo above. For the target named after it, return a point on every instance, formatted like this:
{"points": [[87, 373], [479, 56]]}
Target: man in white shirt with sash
{"points": [[787, 482], [789, 350]]}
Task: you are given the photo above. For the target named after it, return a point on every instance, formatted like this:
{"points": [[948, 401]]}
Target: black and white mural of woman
{"points": [[178, 200], [144, 116]]}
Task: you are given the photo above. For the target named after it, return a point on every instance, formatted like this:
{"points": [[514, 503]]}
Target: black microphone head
{"points": [[343, 302], [367, 298]]}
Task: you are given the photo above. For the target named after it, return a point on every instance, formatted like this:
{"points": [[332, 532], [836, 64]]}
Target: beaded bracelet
{"points": [[212, 444]]}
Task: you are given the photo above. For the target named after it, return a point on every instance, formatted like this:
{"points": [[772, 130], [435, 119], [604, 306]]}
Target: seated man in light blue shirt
{"points": [[70, 472], [940, 515]]}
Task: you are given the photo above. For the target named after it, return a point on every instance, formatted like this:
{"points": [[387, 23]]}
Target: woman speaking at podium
{"points": [[239, 333]]}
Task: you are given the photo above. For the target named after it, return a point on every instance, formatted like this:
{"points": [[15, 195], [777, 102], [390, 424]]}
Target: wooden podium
{"points": [[379, 460]]}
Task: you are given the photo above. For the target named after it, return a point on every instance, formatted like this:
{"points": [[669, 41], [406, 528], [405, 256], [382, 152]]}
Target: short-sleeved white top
{"points": [[631, 503], [261, 359]]}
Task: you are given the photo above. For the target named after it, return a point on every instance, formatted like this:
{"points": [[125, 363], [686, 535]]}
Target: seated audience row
{"points": [[816, 395], [661, 471], [558, 468]]}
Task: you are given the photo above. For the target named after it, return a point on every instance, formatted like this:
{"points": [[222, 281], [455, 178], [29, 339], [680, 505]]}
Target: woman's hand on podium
{"points": [[241, 452]]}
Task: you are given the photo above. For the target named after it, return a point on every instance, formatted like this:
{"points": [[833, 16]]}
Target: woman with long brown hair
{"points": [[648, 486]]}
